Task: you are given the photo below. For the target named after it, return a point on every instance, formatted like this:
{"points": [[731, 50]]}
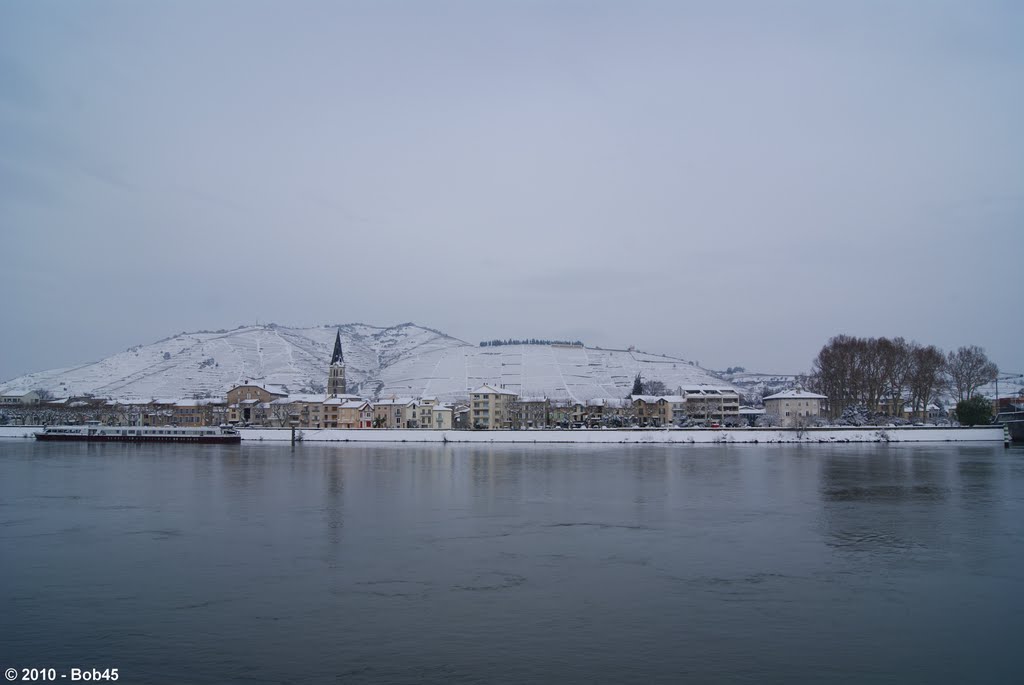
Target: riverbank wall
{"points": [[676, 436], [625, 436]]}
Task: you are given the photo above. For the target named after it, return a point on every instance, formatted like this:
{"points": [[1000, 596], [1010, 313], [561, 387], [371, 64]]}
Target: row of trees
{"points": [[527, 341], [893, 372]]}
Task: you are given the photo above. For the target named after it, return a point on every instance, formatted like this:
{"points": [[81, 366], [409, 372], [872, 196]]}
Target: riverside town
{"points": [[492, 407]]}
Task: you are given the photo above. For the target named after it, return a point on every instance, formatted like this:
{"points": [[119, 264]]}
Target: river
{"points": [[262, 563]]}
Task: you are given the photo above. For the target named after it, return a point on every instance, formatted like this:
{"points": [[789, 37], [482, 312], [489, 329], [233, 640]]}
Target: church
{"points": [[336, 372]]}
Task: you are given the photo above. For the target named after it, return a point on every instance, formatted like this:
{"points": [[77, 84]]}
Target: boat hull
{"points": [[201, 439]]}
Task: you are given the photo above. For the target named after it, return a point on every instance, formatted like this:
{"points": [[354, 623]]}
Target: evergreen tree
{"points": [[976, 411], [638, 386]]}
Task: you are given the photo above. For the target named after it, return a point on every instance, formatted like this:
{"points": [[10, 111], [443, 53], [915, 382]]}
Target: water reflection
{"points": [[493, 563], [893, 503], [334, 504]]}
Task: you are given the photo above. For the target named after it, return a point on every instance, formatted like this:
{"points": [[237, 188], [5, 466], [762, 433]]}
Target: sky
{"points": [[730, 182]]}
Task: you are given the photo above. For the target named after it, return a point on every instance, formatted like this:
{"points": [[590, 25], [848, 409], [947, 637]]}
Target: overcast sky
{"points": [[730, 182]]}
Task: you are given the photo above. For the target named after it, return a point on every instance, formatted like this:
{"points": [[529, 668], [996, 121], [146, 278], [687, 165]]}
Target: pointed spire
{"points": [[337, 357]]}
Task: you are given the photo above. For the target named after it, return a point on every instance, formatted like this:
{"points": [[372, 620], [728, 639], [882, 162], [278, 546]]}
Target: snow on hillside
{"points": [[210, 363], [754, 385], [552, 371], [404, 360]]}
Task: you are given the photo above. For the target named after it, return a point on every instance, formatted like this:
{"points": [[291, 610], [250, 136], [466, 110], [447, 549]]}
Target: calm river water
{"points": [[513, 564]]}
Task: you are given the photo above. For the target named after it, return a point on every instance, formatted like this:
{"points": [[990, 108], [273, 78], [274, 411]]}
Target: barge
{"points": [[93, 432]]}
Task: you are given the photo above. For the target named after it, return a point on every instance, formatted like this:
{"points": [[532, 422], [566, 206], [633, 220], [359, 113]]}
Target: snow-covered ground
{"points": [[685, 436], [405, 360], [18, 431], [210, 363], [561, 372]]}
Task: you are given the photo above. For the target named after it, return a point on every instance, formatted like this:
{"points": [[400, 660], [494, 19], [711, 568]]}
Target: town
{"points": [[485, 408], [488, 407]]}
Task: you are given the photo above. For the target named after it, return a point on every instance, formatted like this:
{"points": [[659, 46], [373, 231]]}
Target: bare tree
{"points": [[897, 368], [854, 371], [926, 376], [655, 387], [851, 371], [968, 369]]}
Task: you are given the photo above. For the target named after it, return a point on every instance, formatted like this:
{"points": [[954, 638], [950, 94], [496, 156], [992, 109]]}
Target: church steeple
{"points": [[336, 373], [337, 357]]}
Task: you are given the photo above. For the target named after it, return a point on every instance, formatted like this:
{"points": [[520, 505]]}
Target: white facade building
{"points": [[793, 405]]}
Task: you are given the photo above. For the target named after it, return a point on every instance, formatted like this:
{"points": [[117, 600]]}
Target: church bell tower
{"points": [[336, 374]]}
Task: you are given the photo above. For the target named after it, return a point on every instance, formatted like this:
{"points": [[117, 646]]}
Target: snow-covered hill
{"points": [[756, 385], [403, 360], [552, 371]]}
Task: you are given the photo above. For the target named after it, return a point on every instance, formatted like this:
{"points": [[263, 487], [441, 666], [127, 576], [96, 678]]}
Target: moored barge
{"points": [[219, 435]]}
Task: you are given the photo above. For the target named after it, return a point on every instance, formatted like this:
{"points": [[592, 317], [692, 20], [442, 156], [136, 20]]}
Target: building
{"points": [[425, 406], [649, 411], [306, 410], [794, 406], [204, 412], [491, 408], [336, 371], [461, 418], [159, 412], [707, 403], [31, 397], [250, 403], [354, 413], [440, 418], [750, 415], [397, 412], [530, 412], [609, 411], [675, 410]]}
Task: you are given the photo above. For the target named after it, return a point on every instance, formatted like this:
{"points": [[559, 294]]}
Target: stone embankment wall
{"points": [[681, 436]]}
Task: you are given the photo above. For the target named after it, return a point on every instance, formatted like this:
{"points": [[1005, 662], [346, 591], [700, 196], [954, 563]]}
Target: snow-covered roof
{"points": [[355, 404], [269, 387], [612, 402], [404, 401], [707, 390], [488, 390], [795, 394], [307, 398], [648, 399], [201, 402]]}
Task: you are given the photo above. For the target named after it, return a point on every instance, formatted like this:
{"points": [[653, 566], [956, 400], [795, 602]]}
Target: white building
{"points": [[18, 400], [792, 405], [491, 408]]}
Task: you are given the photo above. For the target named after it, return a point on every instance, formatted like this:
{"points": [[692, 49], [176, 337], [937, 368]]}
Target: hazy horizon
{"points": [[730, 183]]}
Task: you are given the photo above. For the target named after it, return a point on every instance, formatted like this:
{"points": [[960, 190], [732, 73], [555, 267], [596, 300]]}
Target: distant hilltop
{"points": [[403, 360]]}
